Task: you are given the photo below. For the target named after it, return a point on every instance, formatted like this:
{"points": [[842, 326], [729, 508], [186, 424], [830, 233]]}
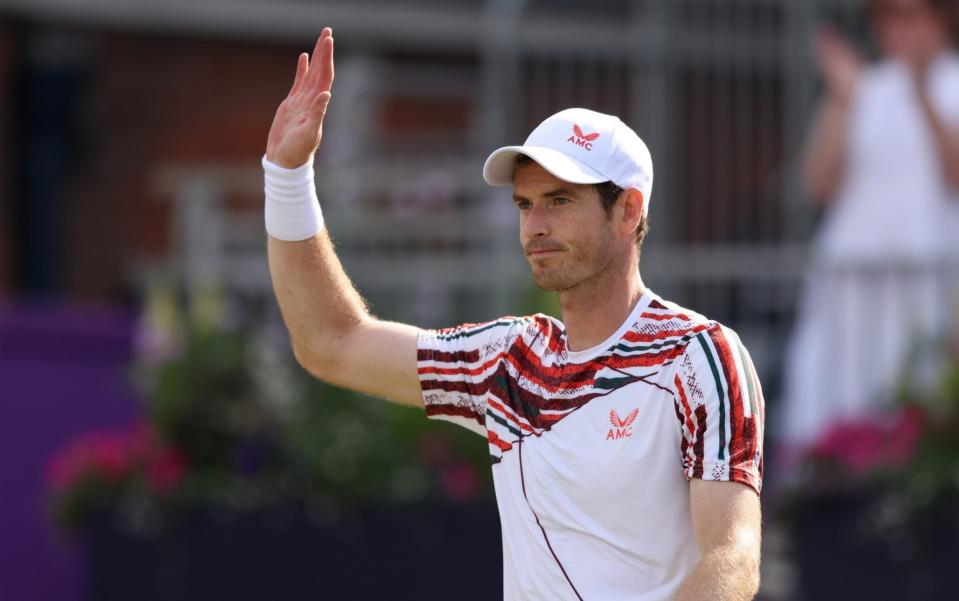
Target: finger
{"points": [[318, 108], [313, 76], [326, 65], [302, 66]]}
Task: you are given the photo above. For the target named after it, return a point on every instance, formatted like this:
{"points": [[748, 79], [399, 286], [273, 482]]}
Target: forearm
{"points": [[319, 303], [727, 573], [823, 158]]}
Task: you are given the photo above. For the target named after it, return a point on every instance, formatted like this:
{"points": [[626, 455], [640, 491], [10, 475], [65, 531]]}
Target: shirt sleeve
{"points": [[456, 367], [720, 405]]}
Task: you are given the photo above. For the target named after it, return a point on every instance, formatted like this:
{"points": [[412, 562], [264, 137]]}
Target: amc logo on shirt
{"points": [[621, 427]]}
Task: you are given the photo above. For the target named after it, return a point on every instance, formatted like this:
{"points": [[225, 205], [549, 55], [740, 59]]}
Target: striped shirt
{"points": [[592, 450]]}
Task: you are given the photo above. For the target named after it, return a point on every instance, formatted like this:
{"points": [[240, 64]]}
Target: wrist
{"points": [[286, 162], [292, 210]]}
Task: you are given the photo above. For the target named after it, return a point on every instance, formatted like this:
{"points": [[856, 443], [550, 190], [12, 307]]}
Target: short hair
{"points": [[608, 195]]}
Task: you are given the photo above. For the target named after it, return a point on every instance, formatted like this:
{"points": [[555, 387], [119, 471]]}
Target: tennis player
{"points": [[626, 440]]}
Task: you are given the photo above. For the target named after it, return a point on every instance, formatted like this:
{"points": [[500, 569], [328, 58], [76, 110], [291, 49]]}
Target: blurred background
{"points": [[157, 440]]}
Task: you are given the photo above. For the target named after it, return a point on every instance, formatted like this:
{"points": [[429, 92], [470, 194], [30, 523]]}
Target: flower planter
{"points": [[419, 552], [839, 558]]}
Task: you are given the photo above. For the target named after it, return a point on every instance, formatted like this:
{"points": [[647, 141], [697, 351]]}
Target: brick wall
{"points": [[153, 101]]}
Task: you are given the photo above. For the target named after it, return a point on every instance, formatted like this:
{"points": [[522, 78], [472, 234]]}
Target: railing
{"points": [[720, 90]]}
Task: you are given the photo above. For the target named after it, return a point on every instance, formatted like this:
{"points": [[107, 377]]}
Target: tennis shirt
{"points": [[592, 450]]}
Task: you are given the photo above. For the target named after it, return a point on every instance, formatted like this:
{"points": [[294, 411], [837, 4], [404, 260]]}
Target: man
{"points": [[626, 444]]}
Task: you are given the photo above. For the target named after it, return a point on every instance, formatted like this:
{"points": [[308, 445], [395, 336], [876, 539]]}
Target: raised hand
{"points": [[298, 125], [839, 62]]}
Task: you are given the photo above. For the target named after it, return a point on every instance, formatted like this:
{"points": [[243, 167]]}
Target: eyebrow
{"points": [[550, 194]]}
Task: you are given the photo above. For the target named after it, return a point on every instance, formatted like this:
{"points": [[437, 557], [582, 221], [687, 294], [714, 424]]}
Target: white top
{"points": [[592, 450], [894, 203]]}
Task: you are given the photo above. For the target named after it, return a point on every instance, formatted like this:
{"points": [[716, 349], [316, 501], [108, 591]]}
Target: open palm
{"points": [[298, 125]]}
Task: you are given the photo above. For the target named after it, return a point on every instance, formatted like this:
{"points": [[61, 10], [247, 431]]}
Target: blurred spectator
{"points": [[882, 157]]}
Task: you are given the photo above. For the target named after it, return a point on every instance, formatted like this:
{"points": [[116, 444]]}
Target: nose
{"points": [[535, 224]]}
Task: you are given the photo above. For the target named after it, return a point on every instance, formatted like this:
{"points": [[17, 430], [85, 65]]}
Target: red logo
{"points": [[581, 139], [621, 427]]}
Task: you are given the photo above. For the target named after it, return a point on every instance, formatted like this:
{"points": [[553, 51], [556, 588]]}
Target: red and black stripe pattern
{"points": [[721, 409], [511, 378]]}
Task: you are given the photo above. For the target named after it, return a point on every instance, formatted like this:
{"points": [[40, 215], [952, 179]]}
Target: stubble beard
{"points": [[577, 267]]}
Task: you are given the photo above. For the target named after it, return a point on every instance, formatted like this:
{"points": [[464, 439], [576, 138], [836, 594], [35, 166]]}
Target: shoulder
{"points": [[666, 324], [478, 340], [944, 85], [468, 330], [661, 310], [705, 343]]}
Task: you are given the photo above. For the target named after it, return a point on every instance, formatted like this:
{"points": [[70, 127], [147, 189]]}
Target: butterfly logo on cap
{"points": [[582, 139]]}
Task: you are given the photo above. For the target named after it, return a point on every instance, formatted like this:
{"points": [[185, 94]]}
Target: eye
{"points": [[523, 205], [561, 200]]}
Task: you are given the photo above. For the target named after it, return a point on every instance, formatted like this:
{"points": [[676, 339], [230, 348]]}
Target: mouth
{"points": [[537, 254]]}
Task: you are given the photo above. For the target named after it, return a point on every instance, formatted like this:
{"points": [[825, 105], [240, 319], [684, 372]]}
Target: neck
{"points": [[594, 310]]}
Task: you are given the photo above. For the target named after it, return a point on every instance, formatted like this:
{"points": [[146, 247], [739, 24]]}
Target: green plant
{"points": [[250, 430], [902, 460]]}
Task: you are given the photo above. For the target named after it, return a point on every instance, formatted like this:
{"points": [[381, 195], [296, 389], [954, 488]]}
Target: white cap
{"points": [[582, 147]]}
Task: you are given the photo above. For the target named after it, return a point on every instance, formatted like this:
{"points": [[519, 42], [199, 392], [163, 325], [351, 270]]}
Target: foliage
{"points": [[238, 426], [903, 459], [101, 467]]}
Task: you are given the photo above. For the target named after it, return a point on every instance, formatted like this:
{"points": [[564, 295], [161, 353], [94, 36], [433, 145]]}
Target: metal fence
{"points": [[719, 89]]}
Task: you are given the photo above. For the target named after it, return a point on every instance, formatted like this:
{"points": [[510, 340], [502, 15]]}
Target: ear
{"points": [[632, 201]]}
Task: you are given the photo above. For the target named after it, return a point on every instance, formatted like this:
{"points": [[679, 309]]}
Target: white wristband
{"points": [[292, 211]]}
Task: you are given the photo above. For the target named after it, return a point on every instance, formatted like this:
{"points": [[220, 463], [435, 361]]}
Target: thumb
{"points": [[318, 108]]}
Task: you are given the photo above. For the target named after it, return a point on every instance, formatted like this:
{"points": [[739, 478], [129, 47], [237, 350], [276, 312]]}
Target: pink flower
{"points": [[116, 456], [166, 469], [855, 445], [907, 429], [869, 443], [100, 452], [109, 455], [63, 469], [460, 482]]}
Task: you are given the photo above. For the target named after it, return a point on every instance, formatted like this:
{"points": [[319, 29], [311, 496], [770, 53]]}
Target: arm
{"points": [[823, 156], [822, 162], [334, 337], [946, 138], [721, 403], [727, 521]]}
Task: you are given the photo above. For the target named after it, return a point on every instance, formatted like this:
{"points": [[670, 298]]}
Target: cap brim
{"points": [[499, 166]]}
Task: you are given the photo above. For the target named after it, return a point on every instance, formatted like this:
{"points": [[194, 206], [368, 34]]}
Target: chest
{"points": [[621, 446]]}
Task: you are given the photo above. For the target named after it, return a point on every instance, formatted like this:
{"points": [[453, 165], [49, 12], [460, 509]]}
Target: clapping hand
{"points": [[839, 62]]}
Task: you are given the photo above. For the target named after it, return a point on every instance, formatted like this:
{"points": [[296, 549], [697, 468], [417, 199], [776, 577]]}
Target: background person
{"points": [[882, 157]]}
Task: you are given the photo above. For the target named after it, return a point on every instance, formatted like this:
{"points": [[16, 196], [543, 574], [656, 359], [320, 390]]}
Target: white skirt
{"points": [[860, 330]]}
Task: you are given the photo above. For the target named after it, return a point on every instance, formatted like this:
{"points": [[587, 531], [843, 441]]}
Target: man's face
{"points": [[564, 230]]}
